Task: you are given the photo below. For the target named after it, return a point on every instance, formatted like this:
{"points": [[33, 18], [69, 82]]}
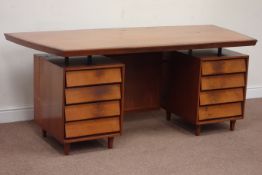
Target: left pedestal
{"points": [[76, 102]]}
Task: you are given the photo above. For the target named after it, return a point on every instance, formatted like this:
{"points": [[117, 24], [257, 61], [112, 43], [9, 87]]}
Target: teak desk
{"points": [[95, 75]]}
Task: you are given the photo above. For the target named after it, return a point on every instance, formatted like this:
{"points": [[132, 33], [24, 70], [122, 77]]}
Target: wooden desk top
{"points": [[130, 40]]}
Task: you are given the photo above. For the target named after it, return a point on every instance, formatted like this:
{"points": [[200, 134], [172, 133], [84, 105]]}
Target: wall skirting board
{"points": [[254, 92], [14, 114]]}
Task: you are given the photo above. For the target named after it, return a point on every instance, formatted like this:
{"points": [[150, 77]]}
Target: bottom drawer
{"points": [[220, 111], [91, 127]]}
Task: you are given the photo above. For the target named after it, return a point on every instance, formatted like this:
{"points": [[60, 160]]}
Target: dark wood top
{"points": [[130, 40]]}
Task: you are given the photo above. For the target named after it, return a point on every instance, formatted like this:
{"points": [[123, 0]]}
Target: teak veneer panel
{"points": [[181, 95], [222, 81], [130, 40], [91, 127], [142, 80], [49, 97], [220, 111], [201, 99], [92, 110], [223, 66], [221, 96], [92, 77], [92, 93]]}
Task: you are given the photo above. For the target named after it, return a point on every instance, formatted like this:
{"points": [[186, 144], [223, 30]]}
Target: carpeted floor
{"points": [[150, 145]]}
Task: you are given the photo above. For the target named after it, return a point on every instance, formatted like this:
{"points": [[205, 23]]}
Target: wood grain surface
{"points": [[93, 77], [92, 110], [90, 127], [220, 111], [92, 94], [130, 40], [223, 81]]}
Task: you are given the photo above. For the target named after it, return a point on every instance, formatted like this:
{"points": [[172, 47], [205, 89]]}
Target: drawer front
{"points": [[220, 111], [223, 66], [93, 93], [222, 81], [92, 77], [92, 110], [91, 127], [221, 96]]}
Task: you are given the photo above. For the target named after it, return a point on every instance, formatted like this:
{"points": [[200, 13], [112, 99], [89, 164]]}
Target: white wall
{"points": [[16, 88]]}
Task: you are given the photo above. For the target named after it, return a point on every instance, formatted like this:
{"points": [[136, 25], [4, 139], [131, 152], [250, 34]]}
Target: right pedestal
{"points": [[204, 87]]}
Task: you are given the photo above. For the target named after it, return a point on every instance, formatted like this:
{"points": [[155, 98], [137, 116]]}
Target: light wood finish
{"points": [[92, 77], [50, 101], [91, 127], [223, 81], [99, 116], [92, 110], [204, 99], [221, 96], [93, 93], [223, 66], [130, 40], [220, 111]]}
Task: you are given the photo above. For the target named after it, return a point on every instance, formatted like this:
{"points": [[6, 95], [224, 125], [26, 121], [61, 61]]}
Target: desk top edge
{"points": [[42, 41]]}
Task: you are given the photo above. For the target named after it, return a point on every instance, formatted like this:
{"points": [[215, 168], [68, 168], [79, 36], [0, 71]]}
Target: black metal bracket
{"points": [[66, 60], [219, 52], [89, 59], [190, 52]]}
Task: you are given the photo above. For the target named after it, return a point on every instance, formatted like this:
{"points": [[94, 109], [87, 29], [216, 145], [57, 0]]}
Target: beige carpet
{"points": [[150, 145]]}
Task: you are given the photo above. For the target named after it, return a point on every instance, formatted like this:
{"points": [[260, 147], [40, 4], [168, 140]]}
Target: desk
{"points": [[81, 96]]}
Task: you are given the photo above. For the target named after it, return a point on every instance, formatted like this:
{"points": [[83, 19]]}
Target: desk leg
{"points": [[66, 148], [44, 133], [197, 130], [110, 142], [168, 115], [232, 125]]}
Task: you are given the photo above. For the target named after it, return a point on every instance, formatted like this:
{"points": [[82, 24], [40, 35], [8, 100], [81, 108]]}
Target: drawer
{"points": [[92, 110], [223, 81], [92, 93], [91, 127], [223, 66], [221, 96], [220, 111], [92, 77]]}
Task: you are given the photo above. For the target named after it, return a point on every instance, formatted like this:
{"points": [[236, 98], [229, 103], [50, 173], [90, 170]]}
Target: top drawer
{"points": [[223, 66], [92, 77]]}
